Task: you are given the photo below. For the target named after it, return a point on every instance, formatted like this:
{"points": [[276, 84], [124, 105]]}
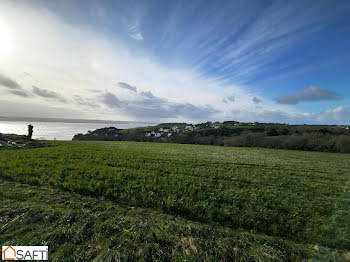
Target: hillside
{"points": [[231, 133], [127, 201]]}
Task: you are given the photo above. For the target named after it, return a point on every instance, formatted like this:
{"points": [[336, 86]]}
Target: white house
{"points": [[147, 134], [175, 129], [161, 129], [153, 133], [166, 130], [157, 135], [190, 128], [170, 134]]}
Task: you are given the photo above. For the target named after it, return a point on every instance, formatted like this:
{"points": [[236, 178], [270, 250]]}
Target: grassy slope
{"points": [[100, 229], [273, 194]]}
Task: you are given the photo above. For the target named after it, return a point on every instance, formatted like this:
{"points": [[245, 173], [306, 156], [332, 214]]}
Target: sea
{"points": [[60, 130]]}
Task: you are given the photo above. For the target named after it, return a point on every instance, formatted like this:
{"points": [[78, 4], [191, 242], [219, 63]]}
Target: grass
{"points": [[171, 202]]}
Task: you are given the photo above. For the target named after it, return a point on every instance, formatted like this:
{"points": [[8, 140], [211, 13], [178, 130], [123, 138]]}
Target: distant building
{"points": [[157, 135], [166, 130], [161, 129], [175, 129], [190, 128], [170, 134], [148, 134], [153, 133]]}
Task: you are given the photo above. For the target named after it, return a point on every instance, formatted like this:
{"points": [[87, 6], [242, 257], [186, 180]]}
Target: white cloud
{"points": [[313, 93], [339, 115], [137, 36], [71, 61], [256, 100], [47, 94], [127, 86], [146, 106]]}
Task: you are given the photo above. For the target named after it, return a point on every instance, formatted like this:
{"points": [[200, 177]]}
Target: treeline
{"points": [[308, 142], [309, 138]]}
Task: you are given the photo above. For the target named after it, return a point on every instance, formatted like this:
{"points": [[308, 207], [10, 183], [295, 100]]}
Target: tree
{"points": [[272, 132]]}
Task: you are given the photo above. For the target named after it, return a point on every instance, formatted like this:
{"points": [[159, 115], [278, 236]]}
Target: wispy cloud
{"points": [[312, 93], [256, 100], [86, 101], [8, 82], [48, 94], [127, 86], [228, 99], [246, 41], [20, 93], [137, 36], [231, 98], [111, 100], [145, 105], [189, 60], [12, 86]]}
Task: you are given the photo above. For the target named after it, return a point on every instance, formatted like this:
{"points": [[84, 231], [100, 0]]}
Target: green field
{"points": [[127, 201]]}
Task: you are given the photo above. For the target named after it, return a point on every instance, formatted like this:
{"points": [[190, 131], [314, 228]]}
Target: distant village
{"points": [[175, 129], [335, 138], [168, 132]]}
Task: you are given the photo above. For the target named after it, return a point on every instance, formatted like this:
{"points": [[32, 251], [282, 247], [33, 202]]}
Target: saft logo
{"points": [[25, 252]]}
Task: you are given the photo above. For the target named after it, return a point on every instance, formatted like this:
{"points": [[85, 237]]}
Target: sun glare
{"points": [[5, 41]]}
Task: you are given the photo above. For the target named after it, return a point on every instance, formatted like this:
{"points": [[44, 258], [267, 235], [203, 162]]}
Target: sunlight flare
{"points": [[6, 43]]}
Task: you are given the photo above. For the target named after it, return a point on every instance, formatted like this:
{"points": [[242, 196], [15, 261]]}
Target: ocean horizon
{"points": [[62, 130]]}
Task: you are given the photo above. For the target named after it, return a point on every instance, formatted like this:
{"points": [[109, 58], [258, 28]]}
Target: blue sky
{"points": [[268, 61]]}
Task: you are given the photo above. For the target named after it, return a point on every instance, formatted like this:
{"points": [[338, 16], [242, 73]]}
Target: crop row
{"points": [[252, 193]]}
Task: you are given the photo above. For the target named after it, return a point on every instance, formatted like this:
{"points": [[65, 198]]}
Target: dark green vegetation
{"points": [[126, 201], [12, 141], [230, 133]]}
